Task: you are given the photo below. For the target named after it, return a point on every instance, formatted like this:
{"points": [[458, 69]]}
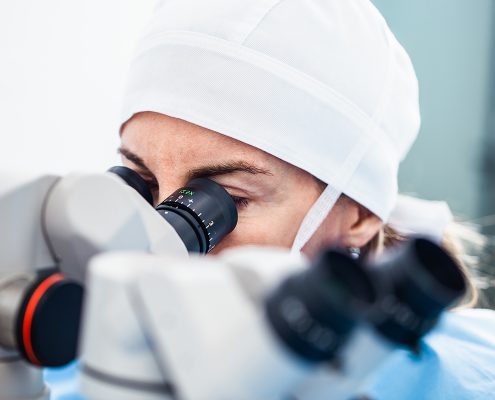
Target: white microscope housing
{"points": [[255, 323], [52, 226]]}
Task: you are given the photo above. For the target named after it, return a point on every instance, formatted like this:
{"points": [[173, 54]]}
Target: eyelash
{"points": [[240, 202]]}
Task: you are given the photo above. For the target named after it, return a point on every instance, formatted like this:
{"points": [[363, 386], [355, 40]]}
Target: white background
{"points": [[62, 70]]}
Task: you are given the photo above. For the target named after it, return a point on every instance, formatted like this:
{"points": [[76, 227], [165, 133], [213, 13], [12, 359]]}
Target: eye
{"points": [[240, 202]]}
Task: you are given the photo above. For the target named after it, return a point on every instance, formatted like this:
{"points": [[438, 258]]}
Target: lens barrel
{"points": [[314, 312], [423, 281], [201, 212]]}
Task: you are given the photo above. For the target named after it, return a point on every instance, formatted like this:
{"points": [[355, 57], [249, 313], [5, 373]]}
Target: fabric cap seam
{"points": [[299, 79]]}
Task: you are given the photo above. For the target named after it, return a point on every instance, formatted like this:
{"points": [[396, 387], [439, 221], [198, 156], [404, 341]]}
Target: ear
{"points": [[362, 225]]}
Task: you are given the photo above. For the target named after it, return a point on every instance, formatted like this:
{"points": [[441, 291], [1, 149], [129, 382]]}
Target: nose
{"points": [[167, 186]]}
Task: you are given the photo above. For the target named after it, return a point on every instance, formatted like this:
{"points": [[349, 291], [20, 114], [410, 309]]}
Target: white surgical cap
{"points": [[321, 84]]}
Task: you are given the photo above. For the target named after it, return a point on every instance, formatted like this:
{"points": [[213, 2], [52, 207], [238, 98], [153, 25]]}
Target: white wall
{"points": [[62, 70]]}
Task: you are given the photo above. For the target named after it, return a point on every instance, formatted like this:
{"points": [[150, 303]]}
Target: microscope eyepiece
{"points": [[423, 281], [202, 212], [315, 311]]}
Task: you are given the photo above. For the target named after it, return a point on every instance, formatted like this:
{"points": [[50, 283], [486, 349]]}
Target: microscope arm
{"points": [[54, 224], [88, 214], [23, 252]]}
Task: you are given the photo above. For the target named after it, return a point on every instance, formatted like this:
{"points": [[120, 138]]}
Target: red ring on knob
{"points": [[27, 322]]}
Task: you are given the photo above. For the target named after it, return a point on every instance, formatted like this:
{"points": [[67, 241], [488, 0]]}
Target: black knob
{"points": [[48, 321]]}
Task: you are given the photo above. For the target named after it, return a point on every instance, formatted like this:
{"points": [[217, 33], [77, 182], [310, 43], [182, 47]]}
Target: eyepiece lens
{"points": [[202, 213]]}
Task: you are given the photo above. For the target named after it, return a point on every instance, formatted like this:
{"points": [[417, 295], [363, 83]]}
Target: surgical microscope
{"points": [[257, 324], [52, 226], [159, 323]]}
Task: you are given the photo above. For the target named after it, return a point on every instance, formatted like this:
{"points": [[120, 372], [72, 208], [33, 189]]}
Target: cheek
{"points": [[274, 228], [274, 221], [255, 235]]}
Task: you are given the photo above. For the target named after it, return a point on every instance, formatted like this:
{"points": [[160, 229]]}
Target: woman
{"points": [[303, 111]]}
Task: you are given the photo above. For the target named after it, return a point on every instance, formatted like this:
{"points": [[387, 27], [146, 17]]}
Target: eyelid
{"points": [[144, 173], [239, 192], [147, 177], [150, 180], [240, 202]]}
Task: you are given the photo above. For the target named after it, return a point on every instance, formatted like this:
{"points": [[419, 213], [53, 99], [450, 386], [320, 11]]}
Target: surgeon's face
{"points": [[272, 196]]}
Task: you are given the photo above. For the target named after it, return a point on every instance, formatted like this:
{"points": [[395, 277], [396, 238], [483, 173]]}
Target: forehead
{"points": [[162, 140]]}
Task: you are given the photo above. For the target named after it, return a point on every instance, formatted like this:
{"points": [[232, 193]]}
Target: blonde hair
{"points": [[462, 241], [459, 241]]}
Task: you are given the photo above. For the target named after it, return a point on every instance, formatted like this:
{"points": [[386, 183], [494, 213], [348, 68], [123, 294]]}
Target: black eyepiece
{"points": [[202, 213], [423, 281], [315, 311]]}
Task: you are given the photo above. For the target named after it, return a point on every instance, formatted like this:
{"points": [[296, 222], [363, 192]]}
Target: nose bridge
{"points": [[168, 184]]}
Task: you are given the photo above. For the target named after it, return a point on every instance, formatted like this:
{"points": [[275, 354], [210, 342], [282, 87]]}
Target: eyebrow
{"points": [[207, 171], [135, 159], [226, 168]]}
